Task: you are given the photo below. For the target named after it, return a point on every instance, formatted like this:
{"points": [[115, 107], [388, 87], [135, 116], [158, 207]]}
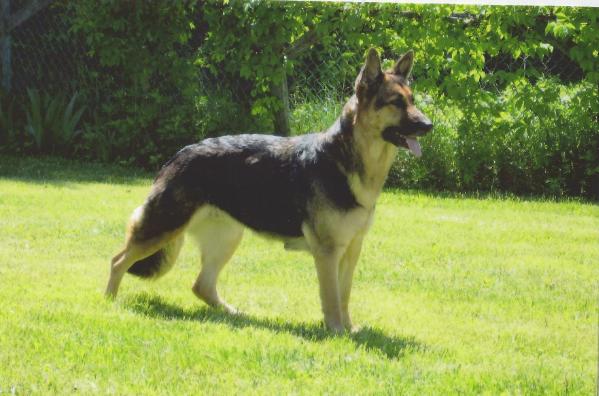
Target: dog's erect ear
{"points": [[370, 75], [403, 67]]}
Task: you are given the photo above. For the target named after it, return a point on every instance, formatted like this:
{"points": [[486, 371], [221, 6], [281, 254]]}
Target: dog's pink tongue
{"points": [[414, 146]]}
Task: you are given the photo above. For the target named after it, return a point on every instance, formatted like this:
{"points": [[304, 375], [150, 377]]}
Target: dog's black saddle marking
{"points": [[263, 181]]}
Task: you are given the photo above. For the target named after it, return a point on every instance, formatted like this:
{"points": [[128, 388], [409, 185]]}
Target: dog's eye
{"points": [[399, 102]]}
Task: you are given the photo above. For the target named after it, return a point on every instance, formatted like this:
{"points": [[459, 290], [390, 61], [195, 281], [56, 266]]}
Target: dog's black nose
{"points": [[424, 126]]}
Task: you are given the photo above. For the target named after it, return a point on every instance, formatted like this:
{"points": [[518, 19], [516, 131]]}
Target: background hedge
{"points": [[513, 91]]}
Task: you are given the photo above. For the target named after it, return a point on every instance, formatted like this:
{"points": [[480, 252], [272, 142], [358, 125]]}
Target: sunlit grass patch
{"points": [[454, 294]]}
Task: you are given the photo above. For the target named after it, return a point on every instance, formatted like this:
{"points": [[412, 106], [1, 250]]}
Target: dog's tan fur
{"points": [[334, 235]]}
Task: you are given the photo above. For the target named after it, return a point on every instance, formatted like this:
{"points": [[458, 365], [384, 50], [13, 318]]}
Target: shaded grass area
{"points": [[366, 337], [55, 170], [454, 295]]}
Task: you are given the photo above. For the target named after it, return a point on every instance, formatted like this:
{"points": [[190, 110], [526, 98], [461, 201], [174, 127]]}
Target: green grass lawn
{"points": [[455, 295]]}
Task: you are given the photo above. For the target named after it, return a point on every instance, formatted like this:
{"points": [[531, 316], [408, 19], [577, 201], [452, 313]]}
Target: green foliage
{"points": [[456, 43], [256, 40], [36, 121], [502, 122], [7, 122], [512, 90], [312, 114], [142, 86], [532, 139], [221, 114], [52, 123], [153, 101]]}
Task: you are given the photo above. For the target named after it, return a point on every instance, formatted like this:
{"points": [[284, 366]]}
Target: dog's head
{"points": [[386, 104]]}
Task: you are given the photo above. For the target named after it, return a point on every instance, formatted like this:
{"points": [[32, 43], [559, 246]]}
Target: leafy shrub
{"points": [[52, 123], [144, 100], [314, 114], [512, 90], [504, 119], [533, 139], [8, 129]]}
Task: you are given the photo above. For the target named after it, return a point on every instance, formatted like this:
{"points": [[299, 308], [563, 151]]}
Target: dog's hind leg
{"points": [[217, 235], [134, 252], [118, 267], [144, 256]]}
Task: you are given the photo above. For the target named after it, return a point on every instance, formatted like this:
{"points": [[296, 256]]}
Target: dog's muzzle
{"points": [[405, 135]]}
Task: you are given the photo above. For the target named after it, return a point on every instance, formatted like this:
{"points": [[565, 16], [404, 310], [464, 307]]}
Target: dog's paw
{"points": [[231, 310], [354, 329], [335, 328]]}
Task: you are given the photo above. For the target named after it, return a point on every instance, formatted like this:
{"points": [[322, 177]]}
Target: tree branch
{"points": [[303, 43], [25, 13]]}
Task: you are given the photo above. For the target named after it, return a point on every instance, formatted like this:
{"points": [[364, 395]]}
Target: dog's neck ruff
{"points": [[366, 159]]}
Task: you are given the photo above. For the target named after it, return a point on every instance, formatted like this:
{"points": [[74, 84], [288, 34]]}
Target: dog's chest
{"points": [[367, 185], [339, 227]]}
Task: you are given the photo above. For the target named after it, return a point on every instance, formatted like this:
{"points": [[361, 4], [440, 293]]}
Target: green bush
{"points": [[504, 119], [140, 84], [52, 122], [8, 129], [512, 90], [537, 138]]}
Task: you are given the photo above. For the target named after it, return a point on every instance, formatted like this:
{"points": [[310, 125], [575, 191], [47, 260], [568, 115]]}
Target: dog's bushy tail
{"points": [[159, 263]]}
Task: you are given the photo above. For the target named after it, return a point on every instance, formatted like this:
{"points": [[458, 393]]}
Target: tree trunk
{"points": [[5, 45], [281, 117]]}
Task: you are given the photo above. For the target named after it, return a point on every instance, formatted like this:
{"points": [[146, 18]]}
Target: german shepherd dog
{"points": [[315, 192]]}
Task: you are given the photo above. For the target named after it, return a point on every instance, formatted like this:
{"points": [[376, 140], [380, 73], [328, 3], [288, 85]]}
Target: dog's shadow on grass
{"points": [[370, 338]]}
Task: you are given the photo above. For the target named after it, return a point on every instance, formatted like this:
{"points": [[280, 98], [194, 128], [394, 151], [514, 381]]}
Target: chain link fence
{"points": [[45, 56]]}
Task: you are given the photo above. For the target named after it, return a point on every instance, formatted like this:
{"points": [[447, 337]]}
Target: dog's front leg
{"points": [[327, 254], [327, 268], [346, 273]]}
